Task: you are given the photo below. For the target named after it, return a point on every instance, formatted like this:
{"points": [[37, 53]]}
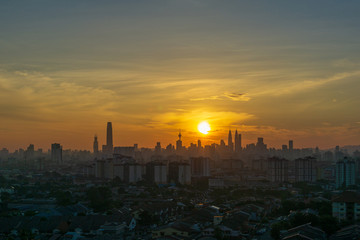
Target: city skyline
{"points": [[233, 143], [274, 70]]}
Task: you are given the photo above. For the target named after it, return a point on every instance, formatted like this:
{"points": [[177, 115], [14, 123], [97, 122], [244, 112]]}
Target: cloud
{"points": [[206, 98], [237, 96], [232, 96], [190, 119], [304, 85]]}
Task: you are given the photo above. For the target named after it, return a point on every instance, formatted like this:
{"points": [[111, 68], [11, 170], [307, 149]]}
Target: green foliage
{"points": [[146, 219], [30, 213], [277, 227], [64, 198], [100, 198], [329, 224]]}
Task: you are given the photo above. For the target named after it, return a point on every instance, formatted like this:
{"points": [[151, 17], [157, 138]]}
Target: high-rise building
{"points": [[291, 145], [179, 173], [346, 206], [260, 146], [30, 151], [230, 142], [305, 169], [158, 148], [278, 169], [237, 141], [109, 137], [96, 145], [345, 173], [200, 167], [179, 143], [156, 172], [199, 144], [56, 153]]}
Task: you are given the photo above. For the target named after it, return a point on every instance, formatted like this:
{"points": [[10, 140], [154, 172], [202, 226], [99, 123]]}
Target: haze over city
{"points": [[284, 70]]}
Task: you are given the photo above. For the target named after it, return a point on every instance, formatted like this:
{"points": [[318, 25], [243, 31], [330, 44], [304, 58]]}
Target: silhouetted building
{"points": [[96, 145], [278, 169], [125, 151], [345, 173], [179, 173], [260, 164], [179, 143], [199, 145], [156, 172], [56, 153], [100, 168], [232, 164], [305, 169], [200, 167], [260, 146], [230, 142], [128, 172], [109, 147], [158, 148], [30, 151], [237, 142], [291, 145]]}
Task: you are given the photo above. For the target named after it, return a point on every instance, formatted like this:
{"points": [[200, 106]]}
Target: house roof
{"points": [[350, 232], [305, 230]]}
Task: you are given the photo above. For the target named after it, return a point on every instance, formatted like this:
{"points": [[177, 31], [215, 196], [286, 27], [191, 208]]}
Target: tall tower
{"points": [[109, 137], [230, 142], [291, 145], [237, 141], [56, 153], [96, 145], [179, 142]]}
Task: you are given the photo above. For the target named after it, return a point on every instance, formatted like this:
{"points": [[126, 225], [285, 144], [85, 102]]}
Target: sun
{"points": [[204, 127]]}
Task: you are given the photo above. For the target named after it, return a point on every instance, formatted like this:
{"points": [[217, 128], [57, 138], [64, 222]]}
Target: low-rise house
{"points": [[305, 231], [226, 232], [350, 232], [177, 229]]}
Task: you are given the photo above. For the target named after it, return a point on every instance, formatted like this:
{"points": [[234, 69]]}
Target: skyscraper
{"points": [[179, 143], [109, 137], [230, 142], [56, 153], [291, 145], [96, 145], [278, 169], [305, 169], [200, 167], [237, 142], [345, 173]]}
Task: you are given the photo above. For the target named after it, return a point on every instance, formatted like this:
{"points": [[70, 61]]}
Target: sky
{"points": [[274, 69]]}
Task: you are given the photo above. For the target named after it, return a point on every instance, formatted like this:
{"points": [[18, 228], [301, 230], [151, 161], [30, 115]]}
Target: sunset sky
{"points": [[274, 69]]}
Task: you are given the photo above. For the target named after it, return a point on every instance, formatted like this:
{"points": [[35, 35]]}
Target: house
{"points": [[305, 231], [225, 232], [350, 232], [177, 229]]}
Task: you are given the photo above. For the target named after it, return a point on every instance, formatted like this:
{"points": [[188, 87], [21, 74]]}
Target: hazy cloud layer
{"points": [[279, 70]]}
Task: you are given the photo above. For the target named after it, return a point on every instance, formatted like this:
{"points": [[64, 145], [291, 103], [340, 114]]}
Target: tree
{"points": [[64, 198], [145, 219], [328, 224], [100, 198]]}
